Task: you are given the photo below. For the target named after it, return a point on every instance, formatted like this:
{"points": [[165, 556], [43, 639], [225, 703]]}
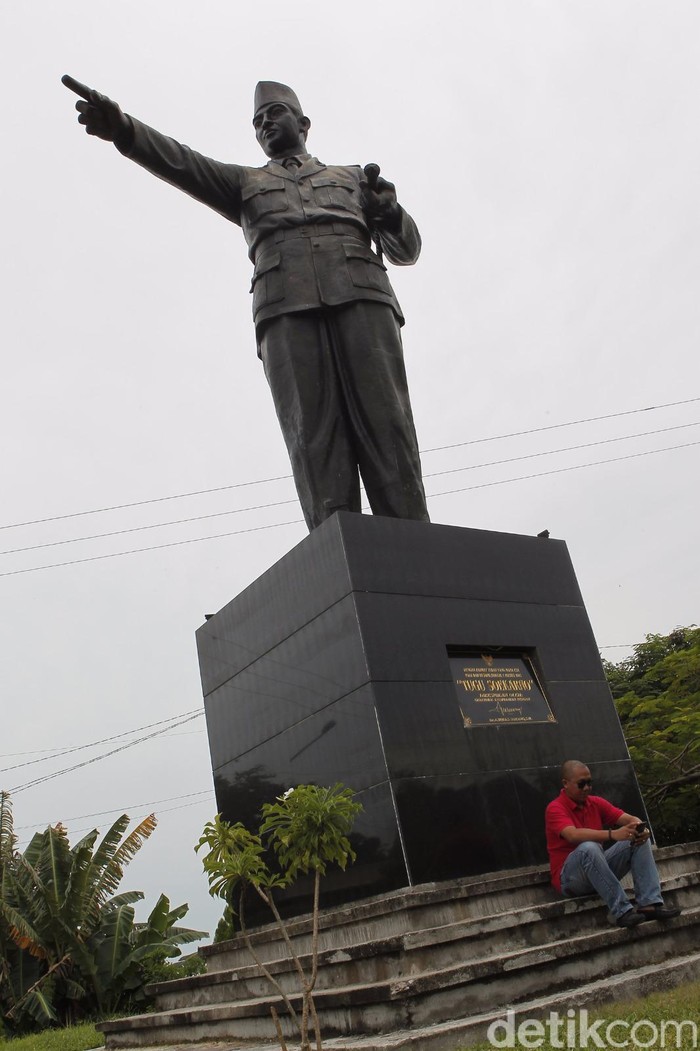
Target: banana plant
{"points": [[69, 943]]}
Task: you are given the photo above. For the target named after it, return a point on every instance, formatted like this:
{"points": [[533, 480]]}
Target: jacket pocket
{"points": [[331, 192], [262, 197], [365, 268], [267, 285]]}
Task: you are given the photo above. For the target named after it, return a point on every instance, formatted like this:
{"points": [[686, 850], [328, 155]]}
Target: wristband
{"points": [[609, 835]]}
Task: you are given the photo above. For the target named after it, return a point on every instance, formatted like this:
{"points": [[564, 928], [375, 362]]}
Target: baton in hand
{"points": [[372, 175]]}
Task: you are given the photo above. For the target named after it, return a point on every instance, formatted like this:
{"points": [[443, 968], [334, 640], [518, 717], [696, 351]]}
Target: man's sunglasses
{"points": [[585, 782]]}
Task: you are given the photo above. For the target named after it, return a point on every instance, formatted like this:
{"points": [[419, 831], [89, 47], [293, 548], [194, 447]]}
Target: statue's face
{"points": [[279, 130]]}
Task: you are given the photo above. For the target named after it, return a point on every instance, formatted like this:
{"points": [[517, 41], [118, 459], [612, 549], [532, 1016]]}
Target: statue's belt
{"points": [[346, 231]]}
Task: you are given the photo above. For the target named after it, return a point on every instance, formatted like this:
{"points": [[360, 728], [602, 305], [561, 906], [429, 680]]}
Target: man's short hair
{"points": [[568, 767]]}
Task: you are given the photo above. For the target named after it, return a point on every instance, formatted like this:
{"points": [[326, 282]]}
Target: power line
{"points": [[98, 758], [35, 751], [142, 503], [563, 470], [280, 503], [167, 810], [57, 753], [154, 547], [154, 525], [552, 452], [28, 751], [118, 810], [285, 477], [556, 426], [299, 521]]}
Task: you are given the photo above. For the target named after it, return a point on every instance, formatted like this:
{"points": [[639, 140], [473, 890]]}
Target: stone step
{"points": [[533, 972], [466, 1030], [453, 951], [415, 1001], [416, 908], [413, 952], [392, 914]]}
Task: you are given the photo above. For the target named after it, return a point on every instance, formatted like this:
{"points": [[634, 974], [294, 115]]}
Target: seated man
{"points": [[578, 826]]}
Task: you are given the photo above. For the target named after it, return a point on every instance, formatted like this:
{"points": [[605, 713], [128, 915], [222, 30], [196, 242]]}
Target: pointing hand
{"points": [[99, 115]]}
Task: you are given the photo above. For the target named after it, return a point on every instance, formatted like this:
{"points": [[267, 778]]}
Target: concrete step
{"points": [[411, 953], [419, 908], [392, 914], [421, 1000], [457, 950], [542, 969], [466, 1030]]}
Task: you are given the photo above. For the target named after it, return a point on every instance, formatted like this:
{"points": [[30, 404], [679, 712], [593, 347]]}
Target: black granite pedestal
{"points": [[335, 665]]}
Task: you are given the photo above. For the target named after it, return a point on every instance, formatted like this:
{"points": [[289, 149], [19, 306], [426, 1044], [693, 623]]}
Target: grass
{"points": [[672, 1005], [74, 1038]]}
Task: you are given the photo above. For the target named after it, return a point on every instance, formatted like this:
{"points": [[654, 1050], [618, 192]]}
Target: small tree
{"points": [[307, 829]]}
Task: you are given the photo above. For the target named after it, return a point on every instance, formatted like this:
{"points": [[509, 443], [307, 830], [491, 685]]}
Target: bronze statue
{"points": [[326, 318]]}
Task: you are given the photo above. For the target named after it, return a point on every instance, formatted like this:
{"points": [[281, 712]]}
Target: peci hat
{"points": [[267, 91]]}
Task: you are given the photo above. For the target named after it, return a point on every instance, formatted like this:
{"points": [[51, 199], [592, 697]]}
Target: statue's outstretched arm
{"points": [[215, 184]]}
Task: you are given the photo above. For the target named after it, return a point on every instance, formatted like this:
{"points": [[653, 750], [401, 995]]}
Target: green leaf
{"points": [[40, 1007]]}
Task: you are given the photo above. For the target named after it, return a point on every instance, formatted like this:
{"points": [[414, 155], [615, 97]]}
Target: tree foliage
{"points": [[226, 927], [306, 829], [69, 945], [657, 695]]}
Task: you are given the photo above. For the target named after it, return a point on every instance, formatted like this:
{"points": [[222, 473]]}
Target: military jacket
{"points": [[307, 234]]}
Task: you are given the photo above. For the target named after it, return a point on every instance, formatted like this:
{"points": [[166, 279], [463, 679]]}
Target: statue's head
{"points": [[280, 125]]}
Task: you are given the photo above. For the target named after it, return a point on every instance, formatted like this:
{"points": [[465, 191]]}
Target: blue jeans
{"points": [[590, 869]]}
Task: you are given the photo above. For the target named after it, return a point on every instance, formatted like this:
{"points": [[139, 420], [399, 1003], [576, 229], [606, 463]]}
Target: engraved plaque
{"points": [[498, 691]]}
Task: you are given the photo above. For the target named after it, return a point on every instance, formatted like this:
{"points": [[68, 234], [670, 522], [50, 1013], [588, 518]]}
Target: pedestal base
{"points": [[335, 666]]}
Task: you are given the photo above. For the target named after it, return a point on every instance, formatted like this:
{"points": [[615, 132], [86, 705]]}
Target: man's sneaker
{"points": [[658, 912], [631, 918]]}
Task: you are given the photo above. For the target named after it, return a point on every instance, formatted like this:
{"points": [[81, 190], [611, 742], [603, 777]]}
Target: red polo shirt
{"points": [[561, 813]]}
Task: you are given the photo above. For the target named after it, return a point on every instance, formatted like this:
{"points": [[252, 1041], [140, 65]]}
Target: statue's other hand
{"points": [[100, 115], [379, 198]]}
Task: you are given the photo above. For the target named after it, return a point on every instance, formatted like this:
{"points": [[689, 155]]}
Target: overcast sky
{"points": [[548, 150]]}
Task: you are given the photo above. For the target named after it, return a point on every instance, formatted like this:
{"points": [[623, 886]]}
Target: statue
{"points": [[326, 318]]}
